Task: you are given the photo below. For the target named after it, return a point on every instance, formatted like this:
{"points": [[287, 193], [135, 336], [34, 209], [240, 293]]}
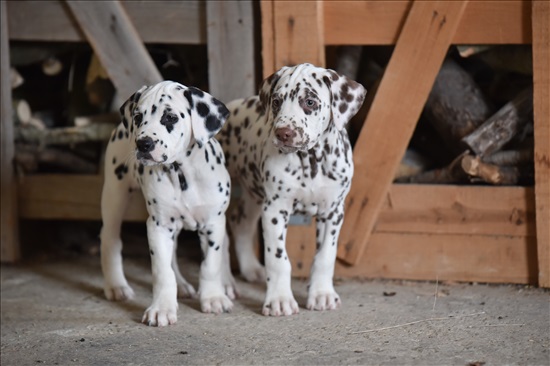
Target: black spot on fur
{"points": [[168, 120], [121, 170], [202, 109], [183, 181]]}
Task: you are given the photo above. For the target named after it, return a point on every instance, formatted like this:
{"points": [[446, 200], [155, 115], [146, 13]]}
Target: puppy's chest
{"points": [[176, 198], [310, 178]]}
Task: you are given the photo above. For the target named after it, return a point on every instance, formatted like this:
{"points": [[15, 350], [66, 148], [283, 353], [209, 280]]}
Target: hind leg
{"points": [[114, 200], [244, 225]]}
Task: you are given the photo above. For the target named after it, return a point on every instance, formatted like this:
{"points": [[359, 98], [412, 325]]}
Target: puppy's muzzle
{"points": [[285, 135], [145, 145]]}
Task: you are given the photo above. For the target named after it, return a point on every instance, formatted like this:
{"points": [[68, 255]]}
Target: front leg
{"points": [[321, 294], [279, 298], [216, 286], [164, 308]]}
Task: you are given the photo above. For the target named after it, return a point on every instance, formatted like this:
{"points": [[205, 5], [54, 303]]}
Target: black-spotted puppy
{"points": [[290, 152], [164, 147]]}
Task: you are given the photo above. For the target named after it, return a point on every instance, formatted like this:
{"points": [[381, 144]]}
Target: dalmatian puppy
{"points": [[289, 150], [164, 147]]}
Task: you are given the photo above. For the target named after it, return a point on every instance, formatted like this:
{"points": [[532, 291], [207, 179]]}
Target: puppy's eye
{"points": [[138, 118], [310, 103], [276, 103]]}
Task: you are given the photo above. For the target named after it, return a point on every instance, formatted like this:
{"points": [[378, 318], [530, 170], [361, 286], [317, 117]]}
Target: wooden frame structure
{"points": [[117, 31], [464, 233]]}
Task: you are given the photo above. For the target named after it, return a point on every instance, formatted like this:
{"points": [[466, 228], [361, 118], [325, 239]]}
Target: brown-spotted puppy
{"points": [[289, 150], [164, 147]]}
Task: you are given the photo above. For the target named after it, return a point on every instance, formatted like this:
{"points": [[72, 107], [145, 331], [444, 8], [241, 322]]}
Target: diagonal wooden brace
{"points": [[403, 91], [117, 44]]}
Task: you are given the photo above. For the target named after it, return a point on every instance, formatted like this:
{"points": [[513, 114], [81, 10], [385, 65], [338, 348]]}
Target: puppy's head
{"points": [[165, 118], [303, 101]]}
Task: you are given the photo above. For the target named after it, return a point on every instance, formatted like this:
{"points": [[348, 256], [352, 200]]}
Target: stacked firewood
{"points": [[65, 106], [477, 124]]}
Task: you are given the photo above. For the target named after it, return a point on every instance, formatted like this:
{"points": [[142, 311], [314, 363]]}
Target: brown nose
{"points": [[285, 134]]}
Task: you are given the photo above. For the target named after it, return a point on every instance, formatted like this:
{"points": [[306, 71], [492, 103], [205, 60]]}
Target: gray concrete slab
{"points": [[54, 313]]}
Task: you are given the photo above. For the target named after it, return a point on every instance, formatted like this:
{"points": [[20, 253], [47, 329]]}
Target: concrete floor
{"points": [[54, 313]]}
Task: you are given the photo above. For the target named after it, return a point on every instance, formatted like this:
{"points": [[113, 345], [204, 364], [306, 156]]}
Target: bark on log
{"points": [[456, 106], [500, 128], [28, 159], [510, 157], [347, 63], [451, 174], [98, 132], [490, 173]]}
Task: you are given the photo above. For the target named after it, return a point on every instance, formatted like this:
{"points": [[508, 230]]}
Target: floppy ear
{"points": [[347, 97], [127, 108], [266, 88], [208, 114]]}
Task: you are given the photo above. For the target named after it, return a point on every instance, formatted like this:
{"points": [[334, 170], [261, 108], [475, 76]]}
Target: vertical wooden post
{"points": [[9, 218], [292, 33], [541, 110], [230, 35], [295, 35], [403, 91]]}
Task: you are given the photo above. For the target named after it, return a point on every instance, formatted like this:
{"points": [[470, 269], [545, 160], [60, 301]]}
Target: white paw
{"points": [[161, 315], [118, 293], [277, 306], [323, 300], [185, 290], [253, 273], [216, 304]]}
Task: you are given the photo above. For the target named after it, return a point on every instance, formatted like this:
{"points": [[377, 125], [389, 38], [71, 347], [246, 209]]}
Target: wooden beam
{"points": [[69, 197], [10, 251], [465, 210], [159, 21], [541, 111], [298, 30], [230, 32], [268, 38], [380, 22], [117, 44], [403, 91], [453, 257]]}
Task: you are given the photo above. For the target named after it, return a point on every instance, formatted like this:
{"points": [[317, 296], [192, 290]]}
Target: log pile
{"points": [[477, 124], [65, 106]]}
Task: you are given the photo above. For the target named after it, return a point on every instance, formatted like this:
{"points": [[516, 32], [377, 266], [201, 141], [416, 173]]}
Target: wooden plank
{"points": [[231, 47], [469, 258], [447, 209], [117, 44], [10, 251], [69, 197], [381, 144], [380, 22], [157, 21], [268, 38], [298, 30], [541, 111]]}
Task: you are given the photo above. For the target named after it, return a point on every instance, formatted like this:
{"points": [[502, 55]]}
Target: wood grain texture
{"points": [[449, 209], [117, 44], [541, 105], [230, 33], [10, 251], [420, 256], [298, 26], [402, 93], [268, 38], [69, 197], [380, 22], [157, 21]]}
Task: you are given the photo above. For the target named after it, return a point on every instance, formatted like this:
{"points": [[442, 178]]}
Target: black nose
{"points": [[145, 144]]}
